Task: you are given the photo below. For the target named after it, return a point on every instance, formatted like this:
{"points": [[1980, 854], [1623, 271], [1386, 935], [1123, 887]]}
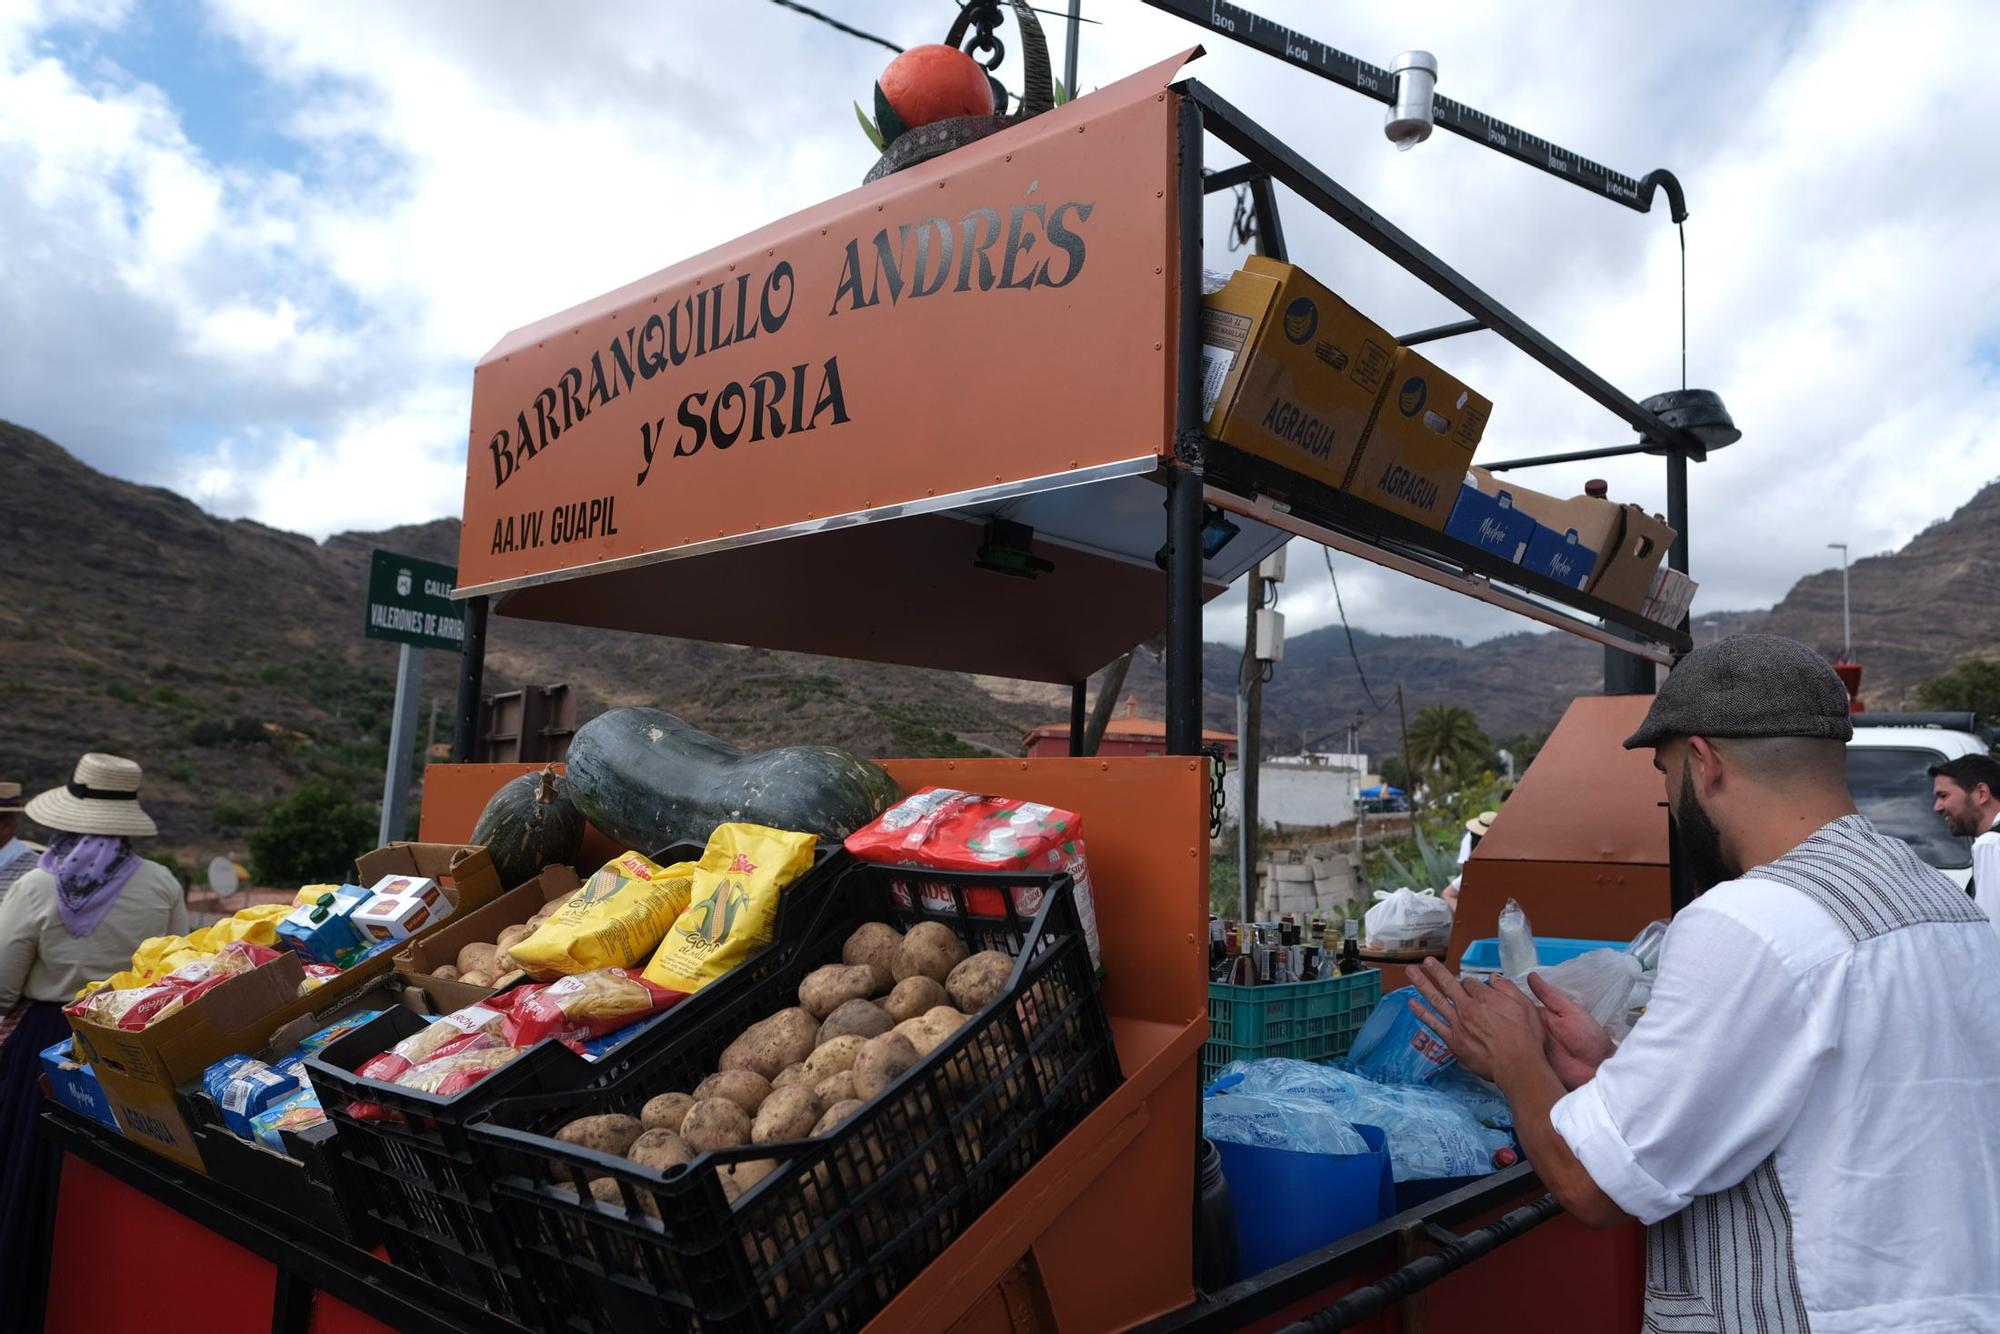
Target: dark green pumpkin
{"points": [[530, 823], [647, 780]]}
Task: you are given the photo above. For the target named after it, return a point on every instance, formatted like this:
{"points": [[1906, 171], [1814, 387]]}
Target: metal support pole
{"points": [[1077, 695], [471, 680], [1677, 511], [1074, 40], [402, 735], [1184, 502]]}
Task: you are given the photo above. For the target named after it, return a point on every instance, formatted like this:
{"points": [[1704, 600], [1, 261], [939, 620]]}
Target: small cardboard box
{"points": [[141, 1070], [1561, 556], [1290, 372], [1625, 575], [392, 917], [72, 1084], [517, 905], [1420, 443], [1486, 518]]}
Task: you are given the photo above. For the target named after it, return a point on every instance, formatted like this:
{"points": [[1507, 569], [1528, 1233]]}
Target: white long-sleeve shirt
{"points": [[1806, 1114], [1986, 870], [41, 960]]}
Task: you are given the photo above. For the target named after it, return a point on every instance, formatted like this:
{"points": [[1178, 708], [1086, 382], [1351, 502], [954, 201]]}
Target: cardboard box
{"points": [[483, 926], [390, 917], [1420, 442], [141, 1071], [1561, 556], [1290, 372], [72, 1084], [1485, 517], [1625, 577]]}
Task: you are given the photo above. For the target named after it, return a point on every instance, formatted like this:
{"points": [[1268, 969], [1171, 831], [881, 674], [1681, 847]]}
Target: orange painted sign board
{"points": [[995, 321]]}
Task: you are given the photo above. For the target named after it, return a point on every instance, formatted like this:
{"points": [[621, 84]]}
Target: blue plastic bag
{"points": [[1396, 1047], [1430, 1132], [1301, 1125]]}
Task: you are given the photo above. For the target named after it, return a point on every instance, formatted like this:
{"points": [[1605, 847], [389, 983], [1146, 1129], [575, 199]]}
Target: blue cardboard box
{"points": [[1489, 521], [1561, 556], [75, 1086]]}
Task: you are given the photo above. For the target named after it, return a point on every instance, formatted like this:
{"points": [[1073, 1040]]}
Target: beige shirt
{"points": [[41, 960]]}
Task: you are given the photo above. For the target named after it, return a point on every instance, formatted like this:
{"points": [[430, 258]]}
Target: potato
{"points": [[475, 978], [930, 950], [611, 1133], [835, 1088], [737, 1178], [913, 996], [660, 1150], [715, 1123], [792, 1074], [746, 1088], [503, 962], [835, 1114], [932, 1029], [665, 1111], [509, 979], [788, 1113], [976, 982], [857, 1017], [446, 971], [834, 1055], [606, 1191], [768, 1046], [513, 935], [880, 1061], [874, 944], [476, 958], [827, 989]]}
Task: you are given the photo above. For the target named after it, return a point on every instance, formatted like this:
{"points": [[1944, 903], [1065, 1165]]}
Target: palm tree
{"points": [[1447, 737]]}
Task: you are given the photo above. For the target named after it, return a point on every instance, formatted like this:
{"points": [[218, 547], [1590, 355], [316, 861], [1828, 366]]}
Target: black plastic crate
{"points": [[845, 1221], [415, 1173]]}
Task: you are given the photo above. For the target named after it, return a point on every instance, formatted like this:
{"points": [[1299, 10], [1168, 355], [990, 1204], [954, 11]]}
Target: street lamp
{"points": [[1846, 613]]}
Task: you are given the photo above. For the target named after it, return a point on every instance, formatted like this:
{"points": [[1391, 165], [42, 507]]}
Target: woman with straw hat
{"points": [[76, 917]]}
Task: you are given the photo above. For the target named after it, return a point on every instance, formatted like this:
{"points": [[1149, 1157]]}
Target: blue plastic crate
{"points": [[1306, 1021], [1483, 956]]}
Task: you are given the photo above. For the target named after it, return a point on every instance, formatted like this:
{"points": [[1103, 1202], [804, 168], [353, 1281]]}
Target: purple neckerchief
{"points": [[90, 870]]}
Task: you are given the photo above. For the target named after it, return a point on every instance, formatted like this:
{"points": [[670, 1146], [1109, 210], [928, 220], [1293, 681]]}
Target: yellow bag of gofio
{"points": [[732, 910], [614, 921]]}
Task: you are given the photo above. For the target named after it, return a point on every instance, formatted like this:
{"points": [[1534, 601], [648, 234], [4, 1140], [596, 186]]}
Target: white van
{"points": [[1887, 764]]}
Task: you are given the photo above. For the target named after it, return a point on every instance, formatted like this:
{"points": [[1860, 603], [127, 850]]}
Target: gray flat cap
{"points": [[1748, 686]]}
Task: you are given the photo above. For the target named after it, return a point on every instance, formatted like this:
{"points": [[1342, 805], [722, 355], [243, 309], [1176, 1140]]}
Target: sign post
{"points": [[409, 602]]}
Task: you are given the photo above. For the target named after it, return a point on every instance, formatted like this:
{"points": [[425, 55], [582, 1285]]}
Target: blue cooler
{"points": [[1290, 1203], [1483, 956]]}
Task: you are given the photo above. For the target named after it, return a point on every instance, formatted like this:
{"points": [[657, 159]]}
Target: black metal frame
{"points": [[1199, 460]]}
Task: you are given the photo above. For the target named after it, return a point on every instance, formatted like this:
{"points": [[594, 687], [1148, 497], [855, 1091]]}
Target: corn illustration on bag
{"points": [[732, 910], [614, 921]]}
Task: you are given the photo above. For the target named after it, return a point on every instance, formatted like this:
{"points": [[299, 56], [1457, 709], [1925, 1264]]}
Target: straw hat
{"points": [[10, 798], [102, 798], [1482, 823]]}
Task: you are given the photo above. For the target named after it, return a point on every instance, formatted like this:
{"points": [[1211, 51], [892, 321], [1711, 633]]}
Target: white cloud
{"points": [[295, 341]]}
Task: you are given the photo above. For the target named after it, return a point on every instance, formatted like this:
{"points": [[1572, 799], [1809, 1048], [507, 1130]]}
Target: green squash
{"points": [[647, 780], [530, 823]]}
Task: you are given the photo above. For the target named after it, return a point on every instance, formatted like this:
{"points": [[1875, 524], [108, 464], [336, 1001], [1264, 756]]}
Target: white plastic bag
{"points": [[1517, 942], [1600, 981], [1407, 919]]}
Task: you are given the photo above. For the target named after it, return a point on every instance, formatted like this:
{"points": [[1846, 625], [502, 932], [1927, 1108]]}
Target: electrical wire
{"points": [[1328, 554], [837, 25]]}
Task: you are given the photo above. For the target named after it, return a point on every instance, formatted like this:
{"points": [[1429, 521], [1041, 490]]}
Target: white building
{"points": [[1300, 791]]}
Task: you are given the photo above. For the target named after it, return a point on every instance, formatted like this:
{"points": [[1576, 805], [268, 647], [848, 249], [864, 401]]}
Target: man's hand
{"points": [[1488, 1028], [1574, 1043]]}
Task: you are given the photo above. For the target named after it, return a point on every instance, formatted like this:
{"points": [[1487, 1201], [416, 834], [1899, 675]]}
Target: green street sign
{"points": [[409, 601]]}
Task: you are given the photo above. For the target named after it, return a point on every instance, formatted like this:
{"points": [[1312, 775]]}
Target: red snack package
{"points": [[961, 831], [587, 1005]]}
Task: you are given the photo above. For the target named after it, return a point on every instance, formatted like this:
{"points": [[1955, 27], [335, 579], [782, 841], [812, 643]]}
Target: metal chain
{"points": [[1217, 769]]}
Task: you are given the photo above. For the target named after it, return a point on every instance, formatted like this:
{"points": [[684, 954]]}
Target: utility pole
{"points": [[1846, 608]]}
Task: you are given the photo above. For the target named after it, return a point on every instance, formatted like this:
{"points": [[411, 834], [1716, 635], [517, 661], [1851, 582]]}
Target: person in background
{"points": [[73, 918], [17, 855], [1804, 1115], [1966, 792]]}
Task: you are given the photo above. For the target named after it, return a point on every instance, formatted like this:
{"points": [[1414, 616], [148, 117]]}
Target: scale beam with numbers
{"points": [[1275, 39]]}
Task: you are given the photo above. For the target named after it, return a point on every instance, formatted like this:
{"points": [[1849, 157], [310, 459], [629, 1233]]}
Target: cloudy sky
{"points": [[251, 250]]}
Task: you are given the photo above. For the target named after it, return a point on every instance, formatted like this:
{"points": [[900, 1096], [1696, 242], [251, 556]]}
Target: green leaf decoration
{"points": [[1062, 93], [885, 116], [868, 128]]}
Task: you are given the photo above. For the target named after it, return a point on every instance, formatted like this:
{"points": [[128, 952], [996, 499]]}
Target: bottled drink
{"points": [[1288, 930], [1309, 963], [1350, 948], [1218, 951]]}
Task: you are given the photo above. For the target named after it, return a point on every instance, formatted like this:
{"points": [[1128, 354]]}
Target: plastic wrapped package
{"points": [[1396, 1047], [1517, 942], [1407, 919], [1268, 1121], [1645, 946], [1430, 1133], [1600, 981]]}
